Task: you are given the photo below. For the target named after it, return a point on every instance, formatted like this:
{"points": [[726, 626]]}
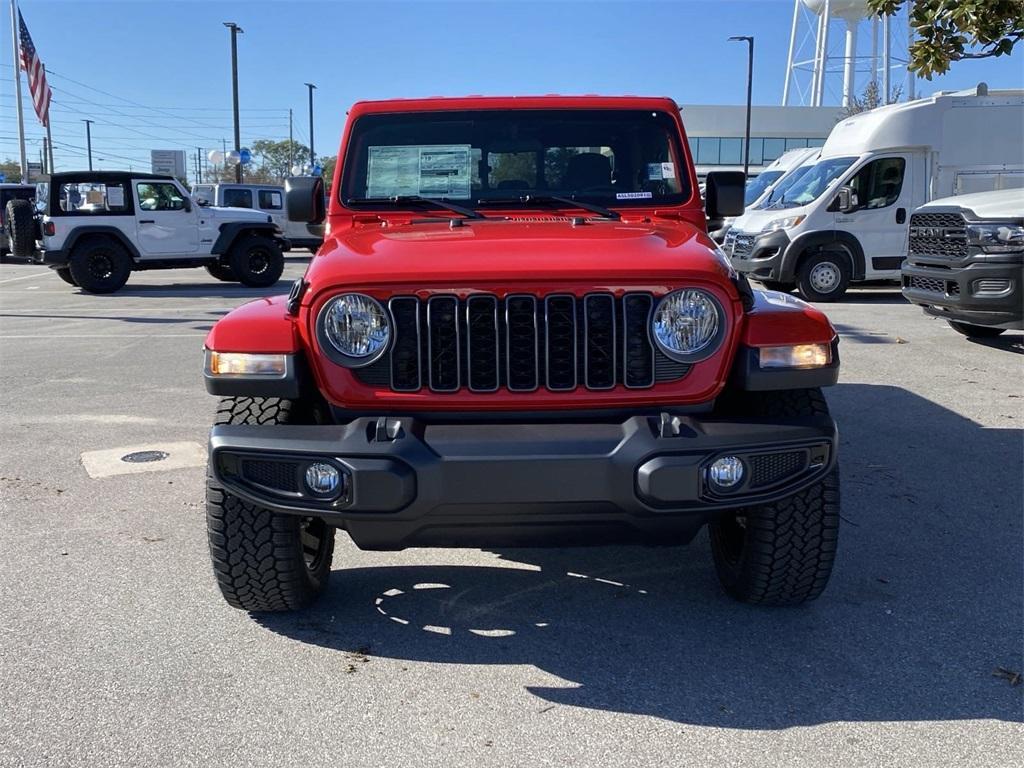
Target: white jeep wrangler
{"points": [[95, 228]]}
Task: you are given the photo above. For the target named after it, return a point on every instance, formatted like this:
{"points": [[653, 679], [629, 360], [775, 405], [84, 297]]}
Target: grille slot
{"points": [[771, 468], [938, 235], [931, 285], [276, 475], [521, 342]]}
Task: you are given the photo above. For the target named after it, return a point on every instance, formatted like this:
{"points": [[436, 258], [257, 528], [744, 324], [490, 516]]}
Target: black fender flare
{"points": [[230, 231], [822, 239], [76, 234]]}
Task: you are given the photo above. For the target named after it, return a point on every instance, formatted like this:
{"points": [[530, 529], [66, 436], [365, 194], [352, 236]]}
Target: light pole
{"points": [[750, 86], [312, 154], [235, 29], [88, 140]]}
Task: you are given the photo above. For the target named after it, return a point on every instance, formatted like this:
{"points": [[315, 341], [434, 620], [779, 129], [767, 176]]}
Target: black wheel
{"points": [[775, 285], [780, 553], [824, 276], [221, 272], [264, 561], [65, 274], [20, 223], [256, 261], [975, 331], [100, 265]]}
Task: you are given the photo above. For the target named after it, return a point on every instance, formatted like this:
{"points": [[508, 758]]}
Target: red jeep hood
{"points": [[600, 252]]}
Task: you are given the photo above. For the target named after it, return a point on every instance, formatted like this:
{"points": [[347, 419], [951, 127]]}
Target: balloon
{"points": [[244, 156], [299, 170], [215, 156], [233, 157]]}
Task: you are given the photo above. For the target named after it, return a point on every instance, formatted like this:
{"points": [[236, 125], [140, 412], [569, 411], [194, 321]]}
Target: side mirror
{"points": [[846, 200], [304, 199], [723, 194], [186, 204]]}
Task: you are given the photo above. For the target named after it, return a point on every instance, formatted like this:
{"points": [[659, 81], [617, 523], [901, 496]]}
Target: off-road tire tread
{"points": [[791, 544], [257, 554], [20, 223]]}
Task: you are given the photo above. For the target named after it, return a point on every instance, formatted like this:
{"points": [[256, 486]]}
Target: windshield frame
{"points": [[343, 193]]}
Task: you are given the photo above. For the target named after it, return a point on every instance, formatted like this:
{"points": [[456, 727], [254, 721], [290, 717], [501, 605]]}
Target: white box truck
{"points": [[846, 218]]}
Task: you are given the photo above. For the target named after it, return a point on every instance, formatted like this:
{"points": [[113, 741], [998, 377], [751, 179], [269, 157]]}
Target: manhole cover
{"points": [[143, 457]]}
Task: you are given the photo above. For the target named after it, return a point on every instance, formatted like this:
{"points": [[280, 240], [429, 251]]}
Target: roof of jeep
{"points": [[101, 177], [549, 101]]}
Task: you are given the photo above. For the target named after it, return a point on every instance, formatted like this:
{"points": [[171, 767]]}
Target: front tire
{"points": [[824, 276], [264, 561], [975, 331], [256, 261], [221, 272], [64, 274], [780, 553], [100, 266]]}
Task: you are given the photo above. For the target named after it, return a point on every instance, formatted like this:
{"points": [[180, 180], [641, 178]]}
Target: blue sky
{"points": [[158, 73]]}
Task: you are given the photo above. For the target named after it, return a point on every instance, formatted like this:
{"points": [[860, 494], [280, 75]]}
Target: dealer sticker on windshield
{"points": [[439, 170], [633, 195]]}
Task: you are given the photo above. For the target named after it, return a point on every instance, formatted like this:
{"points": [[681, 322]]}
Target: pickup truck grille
{"points": [[521, 343], [942, 235]]}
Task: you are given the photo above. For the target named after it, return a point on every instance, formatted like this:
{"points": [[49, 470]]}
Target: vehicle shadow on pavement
{"points": [[1011, 342], [924, 605]]}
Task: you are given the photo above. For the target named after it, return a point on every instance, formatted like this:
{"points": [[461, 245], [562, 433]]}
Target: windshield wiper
{"points": [[600, 210], [469, 213]]}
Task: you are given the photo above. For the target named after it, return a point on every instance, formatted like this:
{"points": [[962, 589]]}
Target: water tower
{"points": [[824, 66]]}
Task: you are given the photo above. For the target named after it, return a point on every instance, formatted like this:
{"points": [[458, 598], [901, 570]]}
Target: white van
{"points": [[846, 218], [268, 198]]}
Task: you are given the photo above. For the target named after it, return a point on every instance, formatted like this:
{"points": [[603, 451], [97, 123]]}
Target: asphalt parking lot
{"points": [[116, 648]]}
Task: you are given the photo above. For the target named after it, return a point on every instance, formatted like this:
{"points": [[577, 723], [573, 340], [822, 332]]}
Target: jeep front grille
{"points": [[942, 235], [521, 343]]}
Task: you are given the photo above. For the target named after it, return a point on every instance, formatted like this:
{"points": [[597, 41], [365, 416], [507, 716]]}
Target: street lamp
{"points": [[235, 29], [88, 139], [750, 85], [312, 154]]}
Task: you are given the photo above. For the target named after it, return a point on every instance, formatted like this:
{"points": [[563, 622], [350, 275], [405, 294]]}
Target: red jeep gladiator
{"points": [[518, 333]]}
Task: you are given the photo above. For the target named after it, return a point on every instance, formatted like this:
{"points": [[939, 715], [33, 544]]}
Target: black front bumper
{"points": [[956, 292], [761, 256], [408, 483]]}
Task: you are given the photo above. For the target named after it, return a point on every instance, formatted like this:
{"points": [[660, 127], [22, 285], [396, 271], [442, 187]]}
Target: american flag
{"points": [[36, 74]]}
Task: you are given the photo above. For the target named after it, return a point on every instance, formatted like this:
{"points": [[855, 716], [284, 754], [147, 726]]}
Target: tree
{"points": [[11, 170], [953, 30], [276, 158], [328, 164], [870, 98]]}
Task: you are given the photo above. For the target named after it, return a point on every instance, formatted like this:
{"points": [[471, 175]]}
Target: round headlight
{"points": [[688, 325], [357, 327]]}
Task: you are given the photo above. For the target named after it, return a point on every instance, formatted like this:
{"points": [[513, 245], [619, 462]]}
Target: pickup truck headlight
{"points": [[997, 237], [688, 325], [356, 327], [786, 223]]}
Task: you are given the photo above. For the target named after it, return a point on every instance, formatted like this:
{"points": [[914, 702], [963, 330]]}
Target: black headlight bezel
{"points": [[334, 354], [709, 348]]}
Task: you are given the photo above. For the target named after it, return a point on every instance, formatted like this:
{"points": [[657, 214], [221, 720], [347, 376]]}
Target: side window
{"points": [[878, 184], [90, 198], [156, 196], [270, 200], [238, 198]]}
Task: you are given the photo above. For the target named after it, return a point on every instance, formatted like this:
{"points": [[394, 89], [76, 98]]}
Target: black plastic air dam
{"points": [[411, 484]]}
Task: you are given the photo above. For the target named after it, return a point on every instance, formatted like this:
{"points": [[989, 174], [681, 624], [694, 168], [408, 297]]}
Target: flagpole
{"points": [[49, 138], [17, 90]]}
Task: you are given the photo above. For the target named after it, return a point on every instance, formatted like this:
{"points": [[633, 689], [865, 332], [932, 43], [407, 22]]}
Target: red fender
{"points": [[779, 319], [263, 325]]}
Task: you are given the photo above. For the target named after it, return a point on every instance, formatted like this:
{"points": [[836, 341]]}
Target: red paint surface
{"points": [[779, 319], [259, 326]]}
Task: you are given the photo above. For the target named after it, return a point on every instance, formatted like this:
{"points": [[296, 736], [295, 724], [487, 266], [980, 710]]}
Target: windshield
{"points": [[810, 184], [785, 183], [756, 187], [608, 157]]}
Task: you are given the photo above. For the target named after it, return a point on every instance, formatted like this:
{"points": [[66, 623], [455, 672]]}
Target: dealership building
{"points": [[716, 133]]}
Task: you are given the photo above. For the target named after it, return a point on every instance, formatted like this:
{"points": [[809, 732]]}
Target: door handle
{"points": [[147, 221], [901, 215]]}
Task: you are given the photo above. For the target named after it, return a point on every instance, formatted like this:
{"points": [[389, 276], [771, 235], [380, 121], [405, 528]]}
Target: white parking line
{"points": [[25, 277]]}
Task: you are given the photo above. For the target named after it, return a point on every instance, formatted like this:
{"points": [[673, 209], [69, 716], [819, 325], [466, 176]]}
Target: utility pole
{"points": [[88, 140], [312, 154], [199, 167], [291, 146], [235, 29], [750, 84], [17, 92]]}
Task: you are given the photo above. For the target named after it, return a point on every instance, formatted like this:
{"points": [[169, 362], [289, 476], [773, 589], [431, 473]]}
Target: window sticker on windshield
{"points": [[654, 171], [115, 197], [440, 170], [633, 195], [668, 170]]}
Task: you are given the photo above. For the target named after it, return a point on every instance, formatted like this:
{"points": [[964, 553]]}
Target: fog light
{"points": [[726, 472], [322, 479], [245, 364], [798, 356]]}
